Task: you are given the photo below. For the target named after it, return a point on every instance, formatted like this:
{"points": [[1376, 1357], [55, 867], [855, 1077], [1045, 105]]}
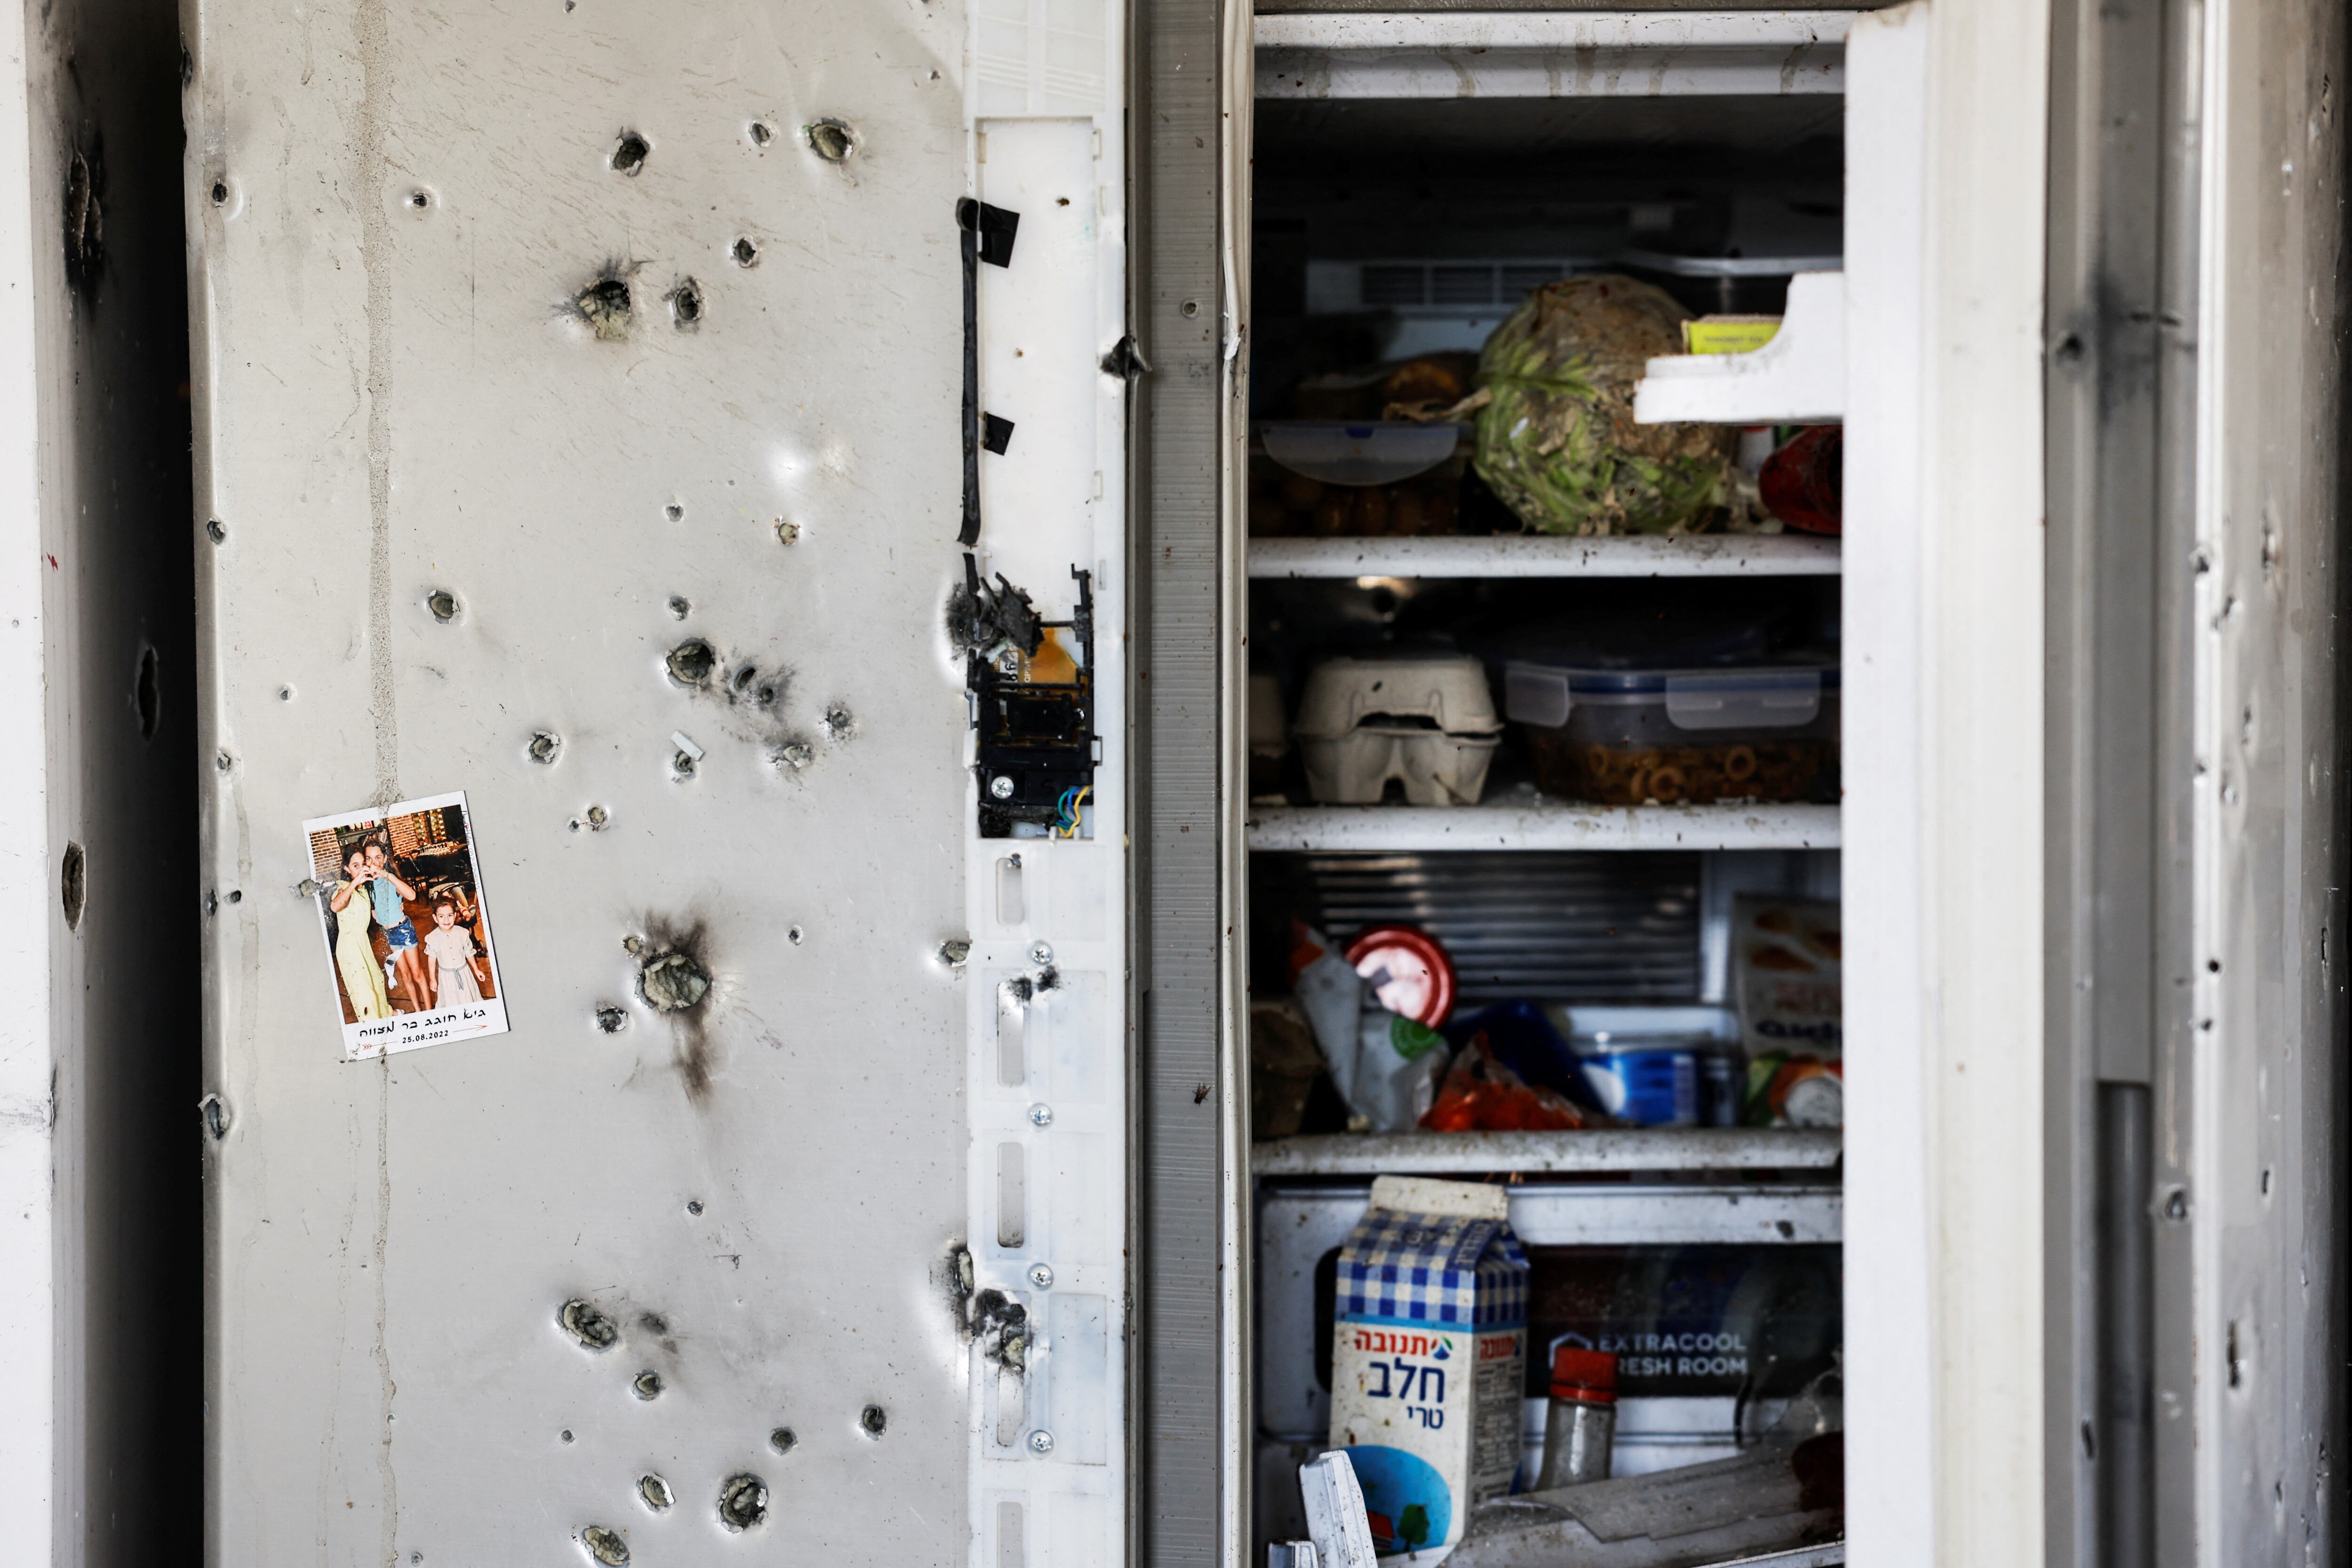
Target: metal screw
{"points": [[1041, 1115], [1040, 1441], [1000, 787], [1041, 1275], [1040, 953]]}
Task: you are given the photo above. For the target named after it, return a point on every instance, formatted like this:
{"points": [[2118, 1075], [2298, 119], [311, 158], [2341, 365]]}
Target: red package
{"points": [[1481, 1095], [1803, 483]]}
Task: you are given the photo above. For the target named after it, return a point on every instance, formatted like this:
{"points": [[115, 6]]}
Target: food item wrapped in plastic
{"points": [[1383, 1064], [1557, 438], [1481, 1095]]}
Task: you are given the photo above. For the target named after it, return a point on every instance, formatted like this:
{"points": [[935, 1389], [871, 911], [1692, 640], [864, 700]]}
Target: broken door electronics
{"points": [[1032, 696]]}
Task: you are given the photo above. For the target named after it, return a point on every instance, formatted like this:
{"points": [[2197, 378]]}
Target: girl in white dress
{"points": [[455, 961]]}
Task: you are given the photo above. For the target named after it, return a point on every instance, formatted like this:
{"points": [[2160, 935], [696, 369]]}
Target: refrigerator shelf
{"points": [[1518, 821], [1500, 54], [1614, 1150], [1542, 555]]}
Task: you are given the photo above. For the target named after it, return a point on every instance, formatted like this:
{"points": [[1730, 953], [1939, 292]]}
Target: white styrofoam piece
{"points": [[1549, 54], [1335, 1520], [1513, 822], [1547, 555], [1797, 378]]}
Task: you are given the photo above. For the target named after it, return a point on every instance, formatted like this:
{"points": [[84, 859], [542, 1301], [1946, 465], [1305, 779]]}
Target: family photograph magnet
{"points": [[408, 939]]}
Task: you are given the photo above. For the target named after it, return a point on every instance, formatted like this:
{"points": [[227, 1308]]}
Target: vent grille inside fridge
{"points": [[1548, 927]]}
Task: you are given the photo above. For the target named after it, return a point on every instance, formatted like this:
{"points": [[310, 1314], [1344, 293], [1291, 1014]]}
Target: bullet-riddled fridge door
{"points": [[663, 585]]}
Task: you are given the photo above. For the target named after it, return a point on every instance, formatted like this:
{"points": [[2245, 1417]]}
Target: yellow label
{"points": [[1728, 334]]}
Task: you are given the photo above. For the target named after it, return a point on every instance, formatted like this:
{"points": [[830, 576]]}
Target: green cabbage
{"points": [[1557, 439]]}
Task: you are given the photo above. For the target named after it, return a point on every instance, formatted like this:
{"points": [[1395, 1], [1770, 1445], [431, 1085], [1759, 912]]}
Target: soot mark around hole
{"points": [[604, 305], [612, 1020], [84, 219], [674, 980], [73, 885], [629, 155], [147, 694]]}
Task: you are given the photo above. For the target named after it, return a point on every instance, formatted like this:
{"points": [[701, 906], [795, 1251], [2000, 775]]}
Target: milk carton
{"points": [[1428, 1358]]}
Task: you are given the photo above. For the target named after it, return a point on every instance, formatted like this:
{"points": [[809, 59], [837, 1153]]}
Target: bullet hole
{"points": [[610, 1019], [783, 1440], [605, 306], [655, 1492], [597, 817], [685, 304], [694, 1206], [2174, 1205], [872, 1420], [739, 683], [629, 156], [443, 604], [646, 1385], [681, 765], [672, 982], [222, 761], [419, 200], [212, 904], [2070, 350], [837, 723], [831, 140], [1788, 1231], [746, 253], [73, 885], [1061, 201], [147, 694], [215, 1116], [690, 662], [605, 1546], [307, 888], [787, 532], [543, 747], [743, 1502], [796, 755], [1192, 307], [679, 607], [220, 192], [761, 134], [953, 953], [794, 936], [285, 694], [216, 531], [2214, 966], [674, 513], [592, 1328], [233, 897]]}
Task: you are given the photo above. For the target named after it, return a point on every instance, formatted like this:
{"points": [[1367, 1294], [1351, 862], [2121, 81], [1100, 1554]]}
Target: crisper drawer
{"points": [[1719, 1301]]}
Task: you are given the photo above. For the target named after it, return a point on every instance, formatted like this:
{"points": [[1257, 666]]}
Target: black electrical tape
{"points": [[986, 234], [995, 433]]}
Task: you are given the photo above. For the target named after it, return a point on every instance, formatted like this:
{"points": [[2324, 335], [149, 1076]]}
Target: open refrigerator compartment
{"points": [[1394, 229]]}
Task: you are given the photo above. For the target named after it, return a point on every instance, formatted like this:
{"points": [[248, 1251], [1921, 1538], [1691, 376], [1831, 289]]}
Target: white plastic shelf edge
{"points": [[1797, 378]]}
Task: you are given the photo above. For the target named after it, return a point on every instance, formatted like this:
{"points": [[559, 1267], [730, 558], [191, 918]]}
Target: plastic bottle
{"points": [[1580, 1426]]}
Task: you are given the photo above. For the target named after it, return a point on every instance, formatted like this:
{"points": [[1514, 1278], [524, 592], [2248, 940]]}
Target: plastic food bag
{"points": [[1481, 1095], [1384, 1064], [1557, 438]]}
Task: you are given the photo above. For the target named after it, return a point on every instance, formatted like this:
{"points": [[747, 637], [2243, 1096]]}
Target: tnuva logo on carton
{"points": [[1428, 1358]]}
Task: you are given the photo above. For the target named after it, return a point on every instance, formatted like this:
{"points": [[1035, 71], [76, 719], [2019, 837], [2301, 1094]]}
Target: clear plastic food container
{"points": [[1625, 737]]}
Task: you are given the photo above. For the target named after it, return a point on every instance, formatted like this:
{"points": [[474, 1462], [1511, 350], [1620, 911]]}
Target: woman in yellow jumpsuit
{"points": [[354, 950]]}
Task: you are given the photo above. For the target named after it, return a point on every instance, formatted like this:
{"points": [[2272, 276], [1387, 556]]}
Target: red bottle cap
{"points": [[1589, 1376]]}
